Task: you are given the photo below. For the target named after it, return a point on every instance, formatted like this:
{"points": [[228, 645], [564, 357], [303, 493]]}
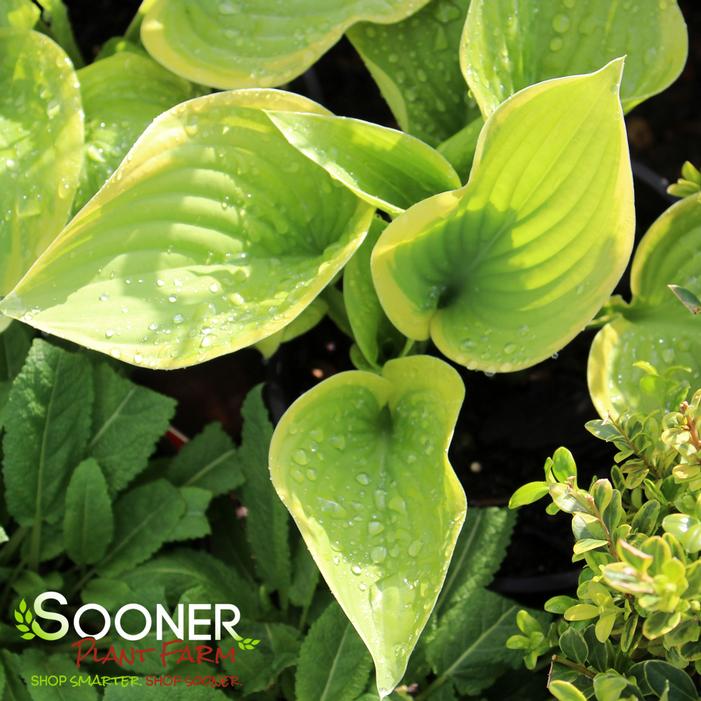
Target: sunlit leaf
{"points": [[213, 234], [41, 138], [505, 271], [385, 167], [377, 339], [415, 64], [19, 14], [249, 43], [121, 95], [655, 327], [360, 461], [510, 44]]}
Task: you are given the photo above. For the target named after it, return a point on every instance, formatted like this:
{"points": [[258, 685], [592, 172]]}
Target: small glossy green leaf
{"points": [[208, 461], [333, 662], [527, 494], [213, 234], [573, 644], [654, 327], [88, 524], [47, 422], [41, 138], [505, 271], [372, 330], [654, 675], [416, 66], [121, 95], [565, 691], [385, 167], [371, 450], [251, 43], [510, 44], [19, 14], [144, 519], [687, 298]]}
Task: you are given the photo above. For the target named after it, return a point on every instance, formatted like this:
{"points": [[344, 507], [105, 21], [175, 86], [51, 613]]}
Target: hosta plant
{"points": [[633, 630], [159, 222]]}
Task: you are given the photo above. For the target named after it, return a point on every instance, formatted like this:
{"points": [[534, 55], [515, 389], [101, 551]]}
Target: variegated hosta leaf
{"points": [[41, 140], [384, 167], [213, 234], [249, 43], [505, 271], [655, 328], [510, 44], [121, 95], [415, 63], [361, 463]]}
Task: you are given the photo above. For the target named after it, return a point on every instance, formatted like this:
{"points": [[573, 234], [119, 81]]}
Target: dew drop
{"points": [[378, 554], [300, 457], [415, 548], [356, 569], [109, 333], [362, 478], [375, 528], [561, 23]]}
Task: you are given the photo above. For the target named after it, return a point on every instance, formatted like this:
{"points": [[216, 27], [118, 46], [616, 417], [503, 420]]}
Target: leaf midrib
{"points": [[334, 664], [112, 418]]}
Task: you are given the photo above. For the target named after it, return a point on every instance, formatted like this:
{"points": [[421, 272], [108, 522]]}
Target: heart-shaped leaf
{"points": [[384, 167], [360, 461], [655, 327], [41, 139], [121, 95], [249, 43], [430, 104], [505, 271], [510, 44], [213, 234]]}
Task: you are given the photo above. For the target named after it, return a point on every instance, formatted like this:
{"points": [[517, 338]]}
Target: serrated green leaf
{"points": [[184, 569], [377, 339], [305, 577], [88, 524], [510, 44], [334, 664], [371, 450], [267, 524], [415, 64], [15, 342], [655, 327], [37, 662], [229, 44], [208, 461], [127, 422], [213, 234], [15, 690], [47, 420], [41, 135], [121, 95], [110, 593], [478, 554], [144, 519], [385, 167], [536, 186], [259, 668], [468, 649], [163, 693], [193, 523]]}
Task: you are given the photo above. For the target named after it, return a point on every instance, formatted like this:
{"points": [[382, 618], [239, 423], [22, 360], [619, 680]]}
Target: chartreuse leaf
{"points": [[57, 24], [386, 168], [144, 519], [47, 422], [267, 524], [415, 64], [88, 524], [655, 327], [510, 44], [505, 271], [123, 409], [213, 234], [208, 461], [41, 138], [121, 95], [372, 330], [360, 462], [333, 662], [19, 14], [250, 43]]}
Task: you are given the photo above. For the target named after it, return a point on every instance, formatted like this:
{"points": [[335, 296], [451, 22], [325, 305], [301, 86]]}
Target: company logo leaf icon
{"points": [[24, 618]]}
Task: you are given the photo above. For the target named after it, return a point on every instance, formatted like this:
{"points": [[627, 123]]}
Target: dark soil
{"points": [[509, 423]]}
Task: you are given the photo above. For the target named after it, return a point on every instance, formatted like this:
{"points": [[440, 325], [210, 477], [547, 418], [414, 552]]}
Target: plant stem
{"points": [[556, 659]]}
